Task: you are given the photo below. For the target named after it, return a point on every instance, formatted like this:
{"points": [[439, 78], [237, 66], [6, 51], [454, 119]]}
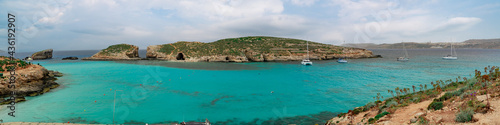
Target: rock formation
{"points": [[117, 52], [254, 49], [70, 58], [31, 80], [44, 54]]}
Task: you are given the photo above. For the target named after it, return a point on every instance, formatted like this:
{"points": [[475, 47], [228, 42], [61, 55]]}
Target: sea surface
{"points": [[232, 93]]}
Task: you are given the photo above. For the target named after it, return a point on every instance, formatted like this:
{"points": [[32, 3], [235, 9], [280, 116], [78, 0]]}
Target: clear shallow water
{"points": [[156, 91]]}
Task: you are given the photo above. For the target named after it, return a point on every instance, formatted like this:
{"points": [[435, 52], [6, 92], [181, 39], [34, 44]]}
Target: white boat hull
{"points": [[342, 61], [450, 58], [403, 59], [306, 62]]}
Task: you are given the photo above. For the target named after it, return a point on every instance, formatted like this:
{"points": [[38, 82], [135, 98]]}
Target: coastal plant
{"points": [[391, 103], [413, 86], [377, 117], [421, 87], [397, 89], [464, 115], [371, 120], [368, 106], [415, 99], [381, 115], [422, 121], [435, 105], [357, 110], [391, 92]]}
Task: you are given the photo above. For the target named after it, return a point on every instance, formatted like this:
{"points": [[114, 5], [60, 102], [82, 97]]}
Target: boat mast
{"points": [[307, 50], [343, 48], [406, 52]]}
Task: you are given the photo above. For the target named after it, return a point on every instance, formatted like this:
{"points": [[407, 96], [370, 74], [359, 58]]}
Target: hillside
{"points": [[471, 44], [254, 48], [474, 100]]}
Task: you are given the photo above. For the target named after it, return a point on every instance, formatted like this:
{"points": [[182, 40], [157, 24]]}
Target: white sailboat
{"points": [[307, 61], [451, 56], [406, 57], [342, 60]]}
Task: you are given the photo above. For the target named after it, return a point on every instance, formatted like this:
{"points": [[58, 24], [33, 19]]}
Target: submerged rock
{"points": [[70, 58], [44, 54]]}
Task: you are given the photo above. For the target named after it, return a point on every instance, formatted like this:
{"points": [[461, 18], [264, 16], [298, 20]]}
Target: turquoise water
{"points": [[160, 92]]}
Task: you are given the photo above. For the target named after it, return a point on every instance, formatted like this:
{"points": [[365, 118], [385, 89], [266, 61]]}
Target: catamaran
{"points": [[406, 57], [342, 60], [451, 56], [307, 61]]}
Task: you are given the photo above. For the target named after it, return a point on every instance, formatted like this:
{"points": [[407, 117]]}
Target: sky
{"points": [[96, 24]]}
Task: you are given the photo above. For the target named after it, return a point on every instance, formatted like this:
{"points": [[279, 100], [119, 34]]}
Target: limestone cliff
{"points": [[255, 49], [44, 54], [31, 80], [117, 52]]}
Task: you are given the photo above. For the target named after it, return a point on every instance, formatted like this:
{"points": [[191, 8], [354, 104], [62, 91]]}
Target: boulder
{"points": [[44, 54]]}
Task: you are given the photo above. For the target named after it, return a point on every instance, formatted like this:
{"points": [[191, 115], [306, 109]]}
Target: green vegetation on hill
{"points": [[5, 63], [461, 89], [116, 49], [238, 46]]}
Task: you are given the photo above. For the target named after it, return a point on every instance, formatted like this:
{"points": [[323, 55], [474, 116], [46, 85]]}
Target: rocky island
{"points": [[31, 80], [252, 49], [117, 52], [44, 54]]}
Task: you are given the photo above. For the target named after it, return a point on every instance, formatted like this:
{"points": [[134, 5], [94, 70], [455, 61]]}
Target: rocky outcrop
{"points": [[117, 52], [32, 80], [70, 58], [252, 49], [44, 54]]}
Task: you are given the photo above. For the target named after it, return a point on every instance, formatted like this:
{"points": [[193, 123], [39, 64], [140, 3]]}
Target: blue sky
{"points": [[96, 24]]}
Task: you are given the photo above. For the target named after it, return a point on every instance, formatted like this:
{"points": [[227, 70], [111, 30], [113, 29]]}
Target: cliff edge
{"points": [[31, 80]]}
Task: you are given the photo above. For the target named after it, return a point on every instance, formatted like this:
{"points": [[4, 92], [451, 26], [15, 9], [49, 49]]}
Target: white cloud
{"points": [[303, 2], [457, 24], [164, 21]]}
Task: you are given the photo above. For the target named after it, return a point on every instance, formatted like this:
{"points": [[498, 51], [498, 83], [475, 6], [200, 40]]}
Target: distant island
{"points": [[243, 49], [471, 44]]}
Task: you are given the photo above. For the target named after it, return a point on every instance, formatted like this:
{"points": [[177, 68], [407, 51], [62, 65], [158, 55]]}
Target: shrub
{"points": [[391, 103], [368, 106], [381, 115], [357, 110], [464, 115], [422, 121], [435, 105], [415, 99], [371, 120]]}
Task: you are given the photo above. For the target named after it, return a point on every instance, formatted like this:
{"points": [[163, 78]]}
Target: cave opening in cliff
{"points": [[227, 58], [180, 56]]}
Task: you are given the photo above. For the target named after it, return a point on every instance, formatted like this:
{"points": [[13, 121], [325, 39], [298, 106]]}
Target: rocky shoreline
{"points": [[32, 80]]}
